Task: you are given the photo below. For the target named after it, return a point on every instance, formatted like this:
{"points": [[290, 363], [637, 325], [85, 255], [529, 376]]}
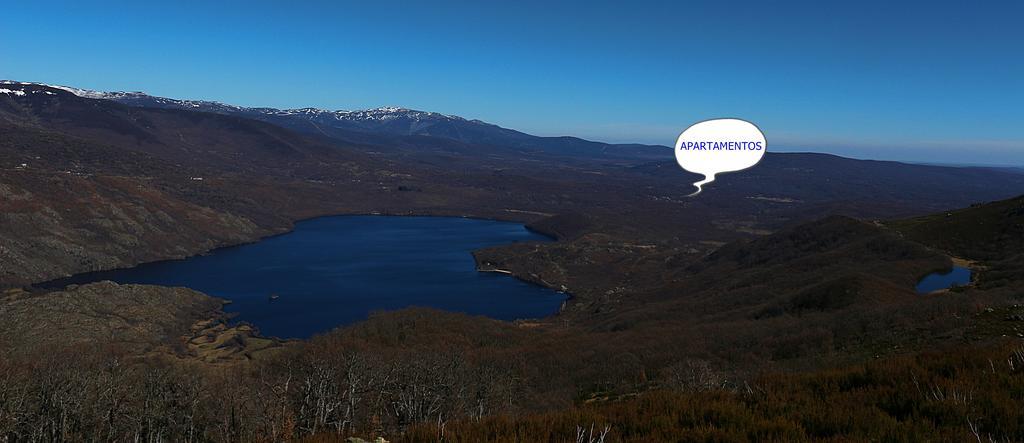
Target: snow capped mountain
{"points": [[390, 120], [347, 125]]}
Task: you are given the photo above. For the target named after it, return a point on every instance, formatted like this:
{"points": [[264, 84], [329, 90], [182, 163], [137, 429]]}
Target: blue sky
{"points": [[935, 81]]}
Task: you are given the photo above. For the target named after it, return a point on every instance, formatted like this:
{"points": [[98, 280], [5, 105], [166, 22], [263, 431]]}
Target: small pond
{"points": [[958, 276]]}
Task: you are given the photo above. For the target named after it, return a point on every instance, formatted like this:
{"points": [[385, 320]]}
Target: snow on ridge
{"points": [[383, 113], [21, 92], [125, 95], [86, 93], [300, 111], [390, 113]]}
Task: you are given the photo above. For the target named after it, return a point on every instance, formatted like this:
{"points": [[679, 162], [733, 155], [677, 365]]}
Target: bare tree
{"points": [[583, 435]]}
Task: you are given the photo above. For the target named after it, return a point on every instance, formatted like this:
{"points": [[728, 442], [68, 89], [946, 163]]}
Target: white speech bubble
{"points": [[712, 147]]}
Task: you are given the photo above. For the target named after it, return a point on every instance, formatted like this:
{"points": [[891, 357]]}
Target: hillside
{"points": [[90, 184]]}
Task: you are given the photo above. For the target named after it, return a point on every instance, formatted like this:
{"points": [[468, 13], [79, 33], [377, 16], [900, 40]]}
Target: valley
{"points": [[796, 272]]}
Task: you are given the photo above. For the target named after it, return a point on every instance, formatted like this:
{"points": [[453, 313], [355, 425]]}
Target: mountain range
{"points": [[360, 125]]}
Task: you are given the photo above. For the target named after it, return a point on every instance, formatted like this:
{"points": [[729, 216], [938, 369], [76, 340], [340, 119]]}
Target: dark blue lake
{"points": [[334, 271], [959, 276]]}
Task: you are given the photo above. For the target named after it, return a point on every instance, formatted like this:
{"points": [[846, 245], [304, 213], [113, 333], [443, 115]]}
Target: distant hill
{"points": [[817, 185]]}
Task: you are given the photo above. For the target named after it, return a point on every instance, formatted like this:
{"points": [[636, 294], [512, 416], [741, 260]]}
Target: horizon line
{"points": [[784, 148]]}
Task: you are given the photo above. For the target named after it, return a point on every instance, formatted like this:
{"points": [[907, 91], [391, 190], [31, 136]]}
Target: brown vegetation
{"points": [[326, 394], [967, 394]]}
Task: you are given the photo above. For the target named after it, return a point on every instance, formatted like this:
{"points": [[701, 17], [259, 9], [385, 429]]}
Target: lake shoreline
{"points": [[472, 235]]}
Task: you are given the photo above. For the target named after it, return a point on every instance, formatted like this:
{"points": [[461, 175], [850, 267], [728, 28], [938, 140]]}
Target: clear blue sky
{"points": [[933, 81]]}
